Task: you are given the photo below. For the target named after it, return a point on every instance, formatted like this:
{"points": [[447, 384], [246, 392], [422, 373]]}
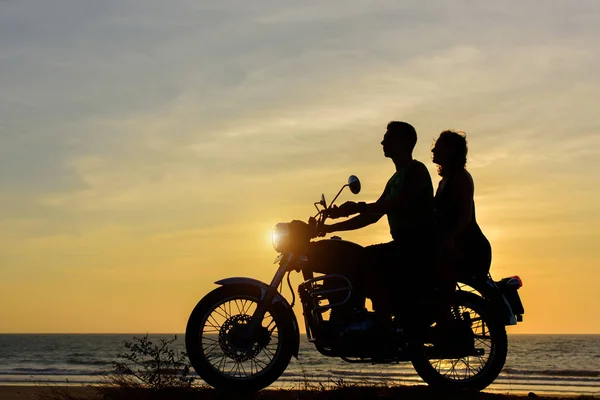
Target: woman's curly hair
{"points": [[456, 141]]}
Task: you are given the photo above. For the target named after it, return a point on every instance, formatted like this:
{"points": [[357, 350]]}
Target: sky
{"points": [[147, 148]]}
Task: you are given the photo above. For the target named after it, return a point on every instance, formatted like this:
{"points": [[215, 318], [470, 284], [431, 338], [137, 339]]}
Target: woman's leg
{"points": [[446, 283]]}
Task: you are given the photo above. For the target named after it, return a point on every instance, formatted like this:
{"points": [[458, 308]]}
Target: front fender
{"points": [[278, 300]]}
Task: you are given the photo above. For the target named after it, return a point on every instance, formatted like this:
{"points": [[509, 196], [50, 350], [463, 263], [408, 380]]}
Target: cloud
{"points": [[159, 125]]}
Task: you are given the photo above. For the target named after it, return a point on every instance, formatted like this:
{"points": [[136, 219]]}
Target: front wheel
{"points": [[219, 348], [472, 372]]}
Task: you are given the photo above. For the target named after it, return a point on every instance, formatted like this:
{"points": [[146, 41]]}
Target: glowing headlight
{"points": [[281, 234]]}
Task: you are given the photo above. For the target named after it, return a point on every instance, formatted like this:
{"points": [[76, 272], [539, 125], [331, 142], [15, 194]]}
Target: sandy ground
{"points": [[404, 393], [40, 392]]}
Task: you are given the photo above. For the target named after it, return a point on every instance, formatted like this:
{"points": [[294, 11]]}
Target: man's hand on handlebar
{"points": [[346, 209], [323, 230]]}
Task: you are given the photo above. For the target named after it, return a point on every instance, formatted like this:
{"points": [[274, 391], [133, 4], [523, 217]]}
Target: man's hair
{"points": [[403, 131], [457, 142]]}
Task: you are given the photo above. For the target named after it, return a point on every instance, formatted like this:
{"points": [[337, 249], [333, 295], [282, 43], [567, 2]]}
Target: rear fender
{"points": [[278, 301], [490, 291]]}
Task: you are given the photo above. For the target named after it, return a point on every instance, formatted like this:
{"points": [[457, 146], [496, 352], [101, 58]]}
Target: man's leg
{"points": [[351, 269], [412, 280], [382, 259]]}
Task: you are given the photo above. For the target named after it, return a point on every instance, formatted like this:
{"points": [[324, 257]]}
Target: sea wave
{"points": [[87, 362], [554, 372], [82, 355], [404, 376], [390, 374], [64, 371], [52, 371], [349, 375]]}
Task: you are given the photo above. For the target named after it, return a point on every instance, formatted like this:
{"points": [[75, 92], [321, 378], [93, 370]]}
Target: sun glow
{"points": [[128, 195]]}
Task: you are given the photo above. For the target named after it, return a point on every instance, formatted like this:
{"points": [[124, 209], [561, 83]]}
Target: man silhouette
{"points": [[407, 200]]}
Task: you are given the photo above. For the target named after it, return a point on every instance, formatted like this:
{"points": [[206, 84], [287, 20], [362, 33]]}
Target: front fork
{"points": [[271, 292]]}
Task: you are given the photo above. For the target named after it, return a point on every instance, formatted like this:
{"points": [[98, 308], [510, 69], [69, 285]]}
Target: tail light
{"points": [[514, 282]]}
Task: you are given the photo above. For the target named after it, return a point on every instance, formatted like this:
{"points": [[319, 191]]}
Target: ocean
{"points": [[552, 364]]}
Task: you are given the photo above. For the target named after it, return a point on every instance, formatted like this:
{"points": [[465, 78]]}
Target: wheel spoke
{"points": [[224, 314], [232, 368], [215, 324], [453, 369], [221, 348], [469, 367], [481, 362], [237, 306], [222, 362], [260, 363], [211, 347], [268, 352], [242, 367], [216, 329]]}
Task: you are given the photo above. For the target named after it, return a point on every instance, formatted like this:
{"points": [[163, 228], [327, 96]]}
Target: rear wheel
{"points": [[471, 372], [222, 353]]}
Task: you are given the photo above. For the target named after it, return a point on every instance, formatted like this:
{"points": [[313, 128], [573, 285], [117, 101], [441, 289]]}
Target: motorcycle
{"points": [[242, 335]]}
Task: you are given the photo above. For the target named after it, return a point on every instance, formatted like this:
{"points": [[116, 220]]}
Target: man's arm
{"points": [[416, 177], [360, 221]]}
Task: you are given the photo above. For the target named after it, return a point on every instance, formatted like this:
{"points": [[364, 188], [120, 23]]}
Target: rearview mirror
{"points": [[354, 184], [323, 202]]}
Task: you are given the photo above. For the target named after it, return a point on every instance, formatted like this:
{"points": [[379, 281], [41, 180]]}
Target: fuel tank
{"points": [[334, 256]]}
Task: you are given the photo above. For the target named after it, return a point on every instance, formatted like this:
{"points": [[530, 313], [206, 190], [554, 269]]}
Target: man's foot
{"points": [[386, 342], [360, 322]]}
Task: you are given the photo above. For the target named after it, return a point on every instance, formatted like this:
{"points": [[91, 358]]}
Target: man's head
{"points": [[399, 139]]}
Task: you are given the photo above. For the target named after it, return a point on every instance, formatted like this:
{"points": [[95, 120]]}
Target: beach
{"points": [[41, 392], [420, 392]]}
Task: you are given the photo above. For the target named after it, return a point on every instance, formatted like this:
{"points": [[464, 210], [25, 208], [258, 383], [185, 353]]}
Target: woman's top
{"points": [[473, 251]]}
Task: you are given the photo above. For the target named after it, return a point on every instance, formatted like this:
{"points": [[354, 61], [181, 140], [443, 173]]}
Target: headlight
{"points": [[281, 237]]}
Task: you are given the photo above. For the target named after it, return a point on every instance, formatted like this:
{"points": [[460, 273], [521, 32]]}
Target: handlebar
{"points": [[319, 218]]}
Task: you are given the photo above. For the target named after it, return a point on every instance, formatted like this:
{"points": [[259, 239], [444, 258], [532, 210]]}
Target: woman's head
{"points": [[450, 151]]}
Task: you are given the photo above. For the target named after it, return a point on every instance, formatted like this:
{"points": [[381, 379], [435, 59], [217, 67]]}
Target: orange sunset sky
{"points": [[147, 148]]}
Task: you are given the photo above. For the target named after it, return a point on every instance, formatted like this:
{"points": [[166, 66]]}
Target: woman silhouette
{"points": [[464, 251]]}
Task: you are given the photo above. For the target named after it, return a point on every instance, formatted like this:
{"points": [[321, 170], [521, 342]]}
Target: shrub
{"points": [[151, 365]]}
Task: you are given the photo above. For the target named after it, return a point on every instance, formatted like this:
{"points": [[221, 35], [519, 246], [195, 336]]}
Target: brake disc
{"points": [[234, 341]]}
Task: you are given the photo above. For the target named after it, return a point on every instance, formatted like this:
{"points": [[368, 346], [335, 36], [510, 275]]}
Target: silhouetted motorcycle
{"points": [[242, 335]]}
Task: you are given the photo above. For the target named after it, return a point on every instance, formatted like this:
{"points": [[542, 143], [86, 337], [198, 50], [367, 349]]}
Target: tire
{"points": [[213, 348], [490, 334]]}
